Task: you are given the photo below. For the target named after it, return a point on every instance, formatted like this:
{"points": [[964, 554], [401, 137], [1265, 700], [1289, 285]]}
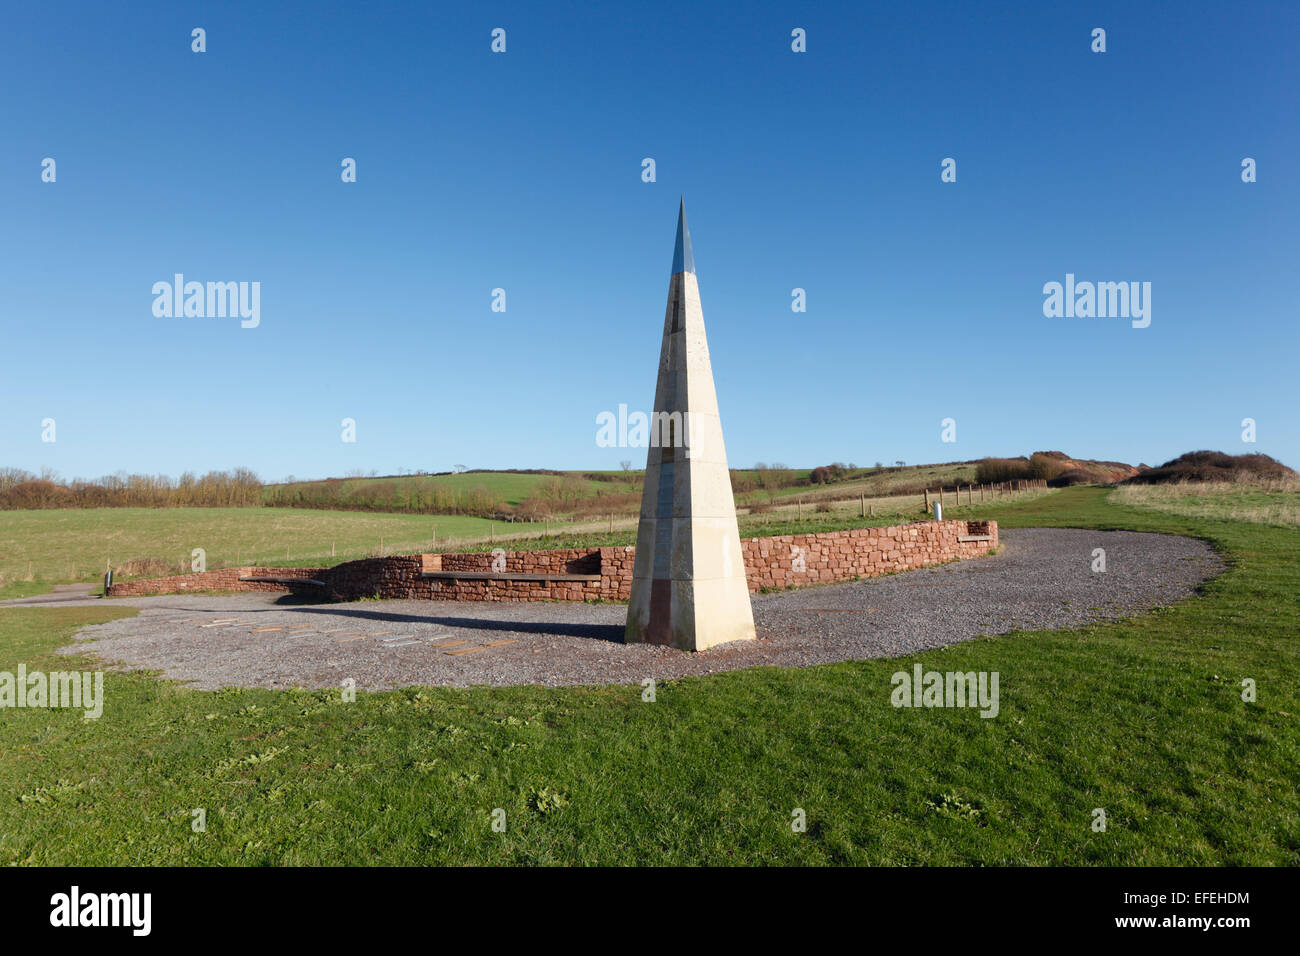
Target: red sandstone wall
{"points": [[223, 579], [800, 559], [781, 562]]}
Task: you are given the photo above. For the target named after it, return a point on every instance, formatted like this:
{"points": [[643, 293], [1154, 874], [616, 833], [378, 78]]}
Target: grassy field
{"points": [[41, 548], [1143, 718], [511, 488], [780, 519], [1274, 503], [876, 484]]}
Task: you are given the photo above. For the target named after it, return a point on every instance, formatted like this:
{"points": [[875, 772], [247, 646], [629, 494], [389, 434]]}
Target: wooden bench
{"points": [[974, 537]]}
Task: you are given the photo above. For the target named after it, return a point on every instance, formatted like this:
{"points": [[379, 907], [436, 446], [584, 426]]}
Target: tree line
{"points": [[25, 490], [411, 495]]}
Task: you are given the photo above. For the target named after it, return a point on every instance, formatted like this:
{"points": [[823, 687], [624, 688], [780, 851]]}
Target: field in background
{"points": [[1268, 502], [869, 482], [405, 492], [148, 526], [1142, 717], [42, 548], [579, 495]]}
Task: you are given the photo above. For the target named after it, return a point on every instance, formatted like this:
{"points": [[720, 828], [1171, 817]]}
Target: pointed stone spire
{"points": [[683, 261], [688, 583]]}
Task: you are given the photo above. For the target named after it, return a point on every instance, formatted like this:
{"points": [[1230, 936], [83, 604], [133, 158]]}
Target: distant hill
{"points": [[1215, 466], [1056, 467]]}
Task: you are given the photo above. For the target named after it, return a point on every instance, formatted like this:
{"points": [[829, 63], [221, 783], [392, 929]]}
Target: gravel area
{"points": [[1042, 579]]}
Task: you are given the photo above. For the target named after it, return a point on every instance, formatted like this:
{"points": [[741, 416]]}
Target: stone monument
{"points": [[688, 586]]}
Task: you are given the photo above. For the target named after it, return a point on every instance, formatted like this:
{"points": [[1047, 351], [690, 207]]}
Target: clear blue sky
{"points": [[522, 170]]}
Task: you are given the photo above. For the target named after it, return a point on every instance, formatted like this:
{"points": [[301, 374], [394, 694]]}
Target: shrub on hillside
{"points": [[1069, 477], [825, 474], [1046, 464], [993, 470], [1215, 466]]}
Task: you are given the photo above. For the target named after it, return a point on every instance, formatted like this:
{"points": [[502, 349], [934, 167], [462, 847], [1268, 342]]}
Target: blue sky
{"points": [[522, 170]]}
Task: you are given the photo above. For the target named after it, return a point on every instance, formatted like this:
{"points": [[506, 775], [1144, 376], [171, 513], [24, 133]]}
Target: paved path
{"points": [[62, 594], [1042, 579]]}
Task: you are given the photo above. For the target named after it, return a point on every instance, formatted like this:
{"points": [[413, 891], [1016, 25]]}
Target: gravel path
{"points": [[1041, 579], [60, 594]]}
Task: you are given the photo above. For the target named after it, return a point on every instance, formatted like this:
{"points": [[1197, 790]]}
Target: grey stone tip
{"points": [[683, 260]]}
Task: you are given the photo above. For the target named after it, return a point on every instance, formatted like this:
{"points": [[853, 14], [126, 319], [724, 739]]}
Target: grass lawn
{"points": [[40, 548], [1142, 718], [1275, 503]]}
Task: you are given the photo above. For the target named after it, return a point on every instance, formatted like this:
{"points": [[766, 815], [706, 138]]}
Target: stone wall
{"points": [[800, 559], [224, 579], [780, 562]]}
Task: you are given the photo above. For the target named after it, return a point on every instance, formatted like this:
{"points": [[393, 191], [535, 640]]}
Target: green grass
{"points": [[872, 483], [784, 519], [41, 548], [1143, 718], [1274, 502], [511, 488]]}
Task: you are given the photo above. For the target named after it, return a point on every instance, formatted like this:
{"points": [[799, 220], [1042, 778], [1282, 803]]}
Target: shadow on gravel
{"points": [[600, 632]]}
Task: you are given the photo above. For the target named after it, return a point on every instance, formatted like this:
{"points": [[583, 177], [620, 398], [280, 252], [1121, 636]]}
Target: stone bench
{"points": [[266, 579], [493, 576]]}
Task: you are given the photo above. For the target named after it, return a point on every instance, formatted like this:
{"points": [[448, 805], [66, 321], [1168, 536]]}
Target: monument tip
{"points": [[683, 260]]}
